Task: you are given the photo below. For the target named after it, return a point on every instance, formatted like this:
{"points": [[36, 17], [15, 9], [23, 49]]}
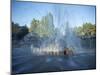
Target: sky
{"points": [[75, 15]]}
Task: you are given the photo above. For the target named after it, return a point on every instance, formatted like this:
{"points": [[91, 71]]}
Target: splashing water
{"points": [[64, 38]]}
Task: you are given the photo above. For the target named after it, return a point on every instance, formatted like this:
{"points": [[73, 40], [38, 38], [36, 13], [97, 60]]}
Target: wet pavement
{"points": [[23, 61]]}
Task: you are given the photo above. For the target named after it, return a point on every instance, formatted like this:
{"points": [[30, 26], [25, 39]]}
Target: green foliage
{"points": [[34, 25], [19, 31], [87, 29], [23, 30], [15, 27], [43, 28]]}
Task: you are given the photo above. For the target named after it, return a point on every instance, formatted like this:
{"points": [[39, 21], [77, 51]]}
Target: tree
{"points": [[15, 27], [87, 33], [23, 30], [87, 29], [47, 26], [18, 32], [34, 25], [43, 28]]}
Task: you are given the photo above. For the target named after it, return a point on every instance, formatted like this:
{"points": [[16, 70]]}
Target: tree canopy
{"points": [[87, 29], [19, 31], [44, 27]]}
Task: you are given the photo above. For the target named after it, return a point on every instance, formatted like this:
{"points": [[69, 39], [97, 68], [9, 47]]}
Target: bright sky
{"points": [[76, 15]]}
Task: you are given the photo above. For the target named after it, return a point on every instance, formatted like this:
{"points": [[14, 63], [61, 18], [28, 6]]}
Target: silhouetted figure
{"points": [[67, 51]]}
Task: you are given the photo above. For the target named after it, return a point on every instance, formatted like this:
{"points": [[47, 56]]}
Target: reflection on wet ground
{"points": [[23, 61]]}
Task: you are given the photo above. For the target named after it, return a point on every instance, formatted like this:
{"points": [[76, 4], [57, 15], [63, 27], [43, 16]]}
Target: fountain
{"points": [[64, 41]]}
